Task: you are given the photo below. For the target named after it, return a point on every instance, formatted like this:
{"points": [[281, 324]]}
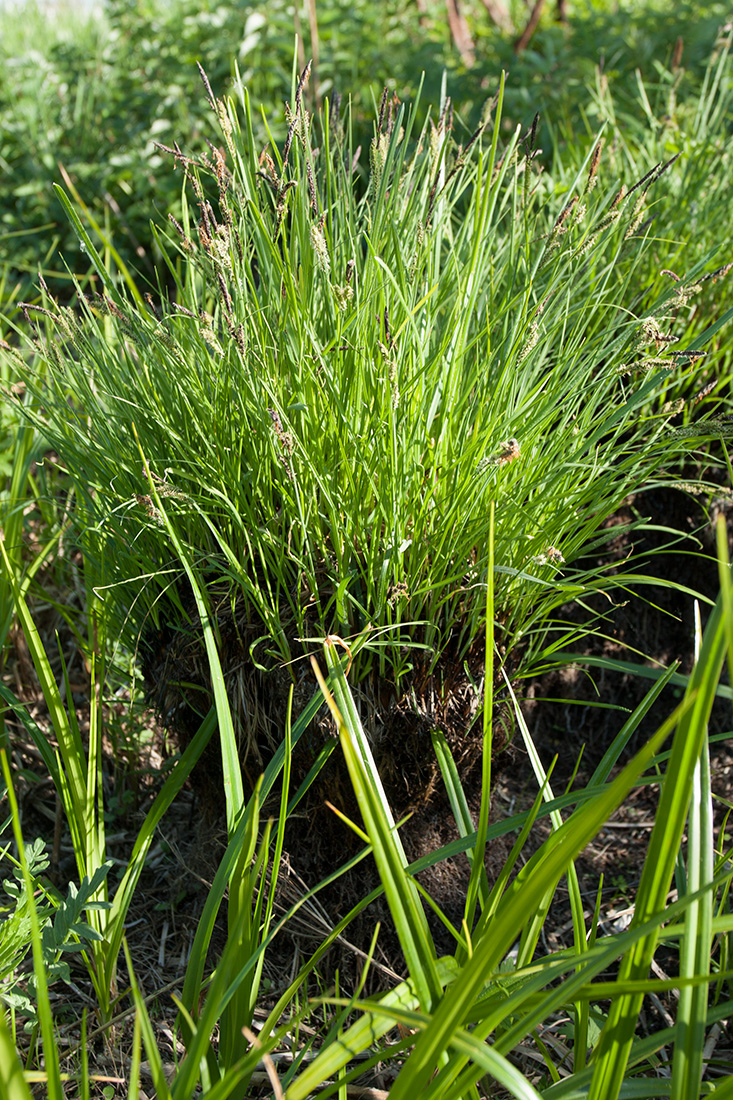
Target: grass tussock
{"points": [[354, 371]]}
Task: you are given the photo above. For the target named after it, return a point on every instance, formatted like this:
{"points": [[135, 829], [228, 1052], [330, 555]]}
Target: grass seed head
{"points": [[509, 451], [593, 170], [530, 341], [320, 249]]}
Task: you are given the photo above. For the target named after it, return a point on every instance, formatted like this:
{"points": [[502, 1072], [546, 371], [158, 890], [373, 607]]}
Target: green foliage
{"points": [[61, 920], [87, 99], [408, 393], [346, 381], [463, 1016]]}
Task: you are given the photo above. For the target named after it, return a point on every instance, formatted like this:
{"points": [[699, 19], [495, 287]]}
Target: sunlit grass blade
{"points": [[519, 902], [54, 1084], [404, 900], [70, 747], [364, 1032], [13, 1085], [618, 1033]]}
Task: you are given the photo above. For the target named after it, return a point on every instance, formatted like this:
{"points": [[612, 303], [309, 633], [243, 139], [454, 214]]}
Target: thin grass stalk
{"points": [[70, 748], [233, 788], [133, 1086], [695, 951], [459, 806], [144, 1023], [403, 898], [245, 890], [477, 883], [532, 931], [617, 1036], [516, 908], [45, 1015]]}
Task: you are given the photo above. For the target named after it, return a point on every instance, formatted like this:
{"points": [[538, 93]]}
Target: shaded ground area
{"points": [[572, 713]]}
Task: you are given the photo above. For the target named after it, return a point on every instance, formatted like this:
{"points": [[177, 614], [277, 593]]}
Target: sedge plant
{"points": [[357, 361]]}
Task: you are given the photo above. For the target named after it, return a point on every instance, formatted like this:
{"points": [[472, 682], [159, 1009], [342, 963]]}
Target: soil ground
{"points": [[572, 714]]}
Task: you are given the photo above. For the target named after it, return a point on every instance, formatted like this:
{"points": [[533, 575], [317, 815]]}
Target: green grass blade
{"points": [[520, 900], [233, 788], [50, 1048], [403, 898], [618, 1033], [13, 1084]]}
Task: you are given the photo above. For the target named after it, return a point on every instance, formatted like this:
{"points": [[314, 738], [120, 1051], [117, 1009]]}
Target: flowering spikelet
{"points": [[207, 86], [645, 365], [704, 391], [343, 295], [320, 248], [377, 157], [415, 258], [240, 339], [436, 137], [579, 214], [720, 273], [207, 331], [651, 333], [595, 160], [396, 593], [690, 354], [291, 117], [12, 351], [562, 225], [382, 109], [226, 300], [391, 371], [226, 126], [285, 440], [186, 241], [146, 503], [530, 341], [219, 248], [683, 292], [164, 489], [637, 217], [720, 427], [312, 188], [393, 384]]}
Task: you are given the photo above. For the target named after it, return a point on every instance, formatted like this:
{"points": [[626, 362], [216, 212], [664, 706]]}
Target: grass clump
{"points": [[351, 375]]}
